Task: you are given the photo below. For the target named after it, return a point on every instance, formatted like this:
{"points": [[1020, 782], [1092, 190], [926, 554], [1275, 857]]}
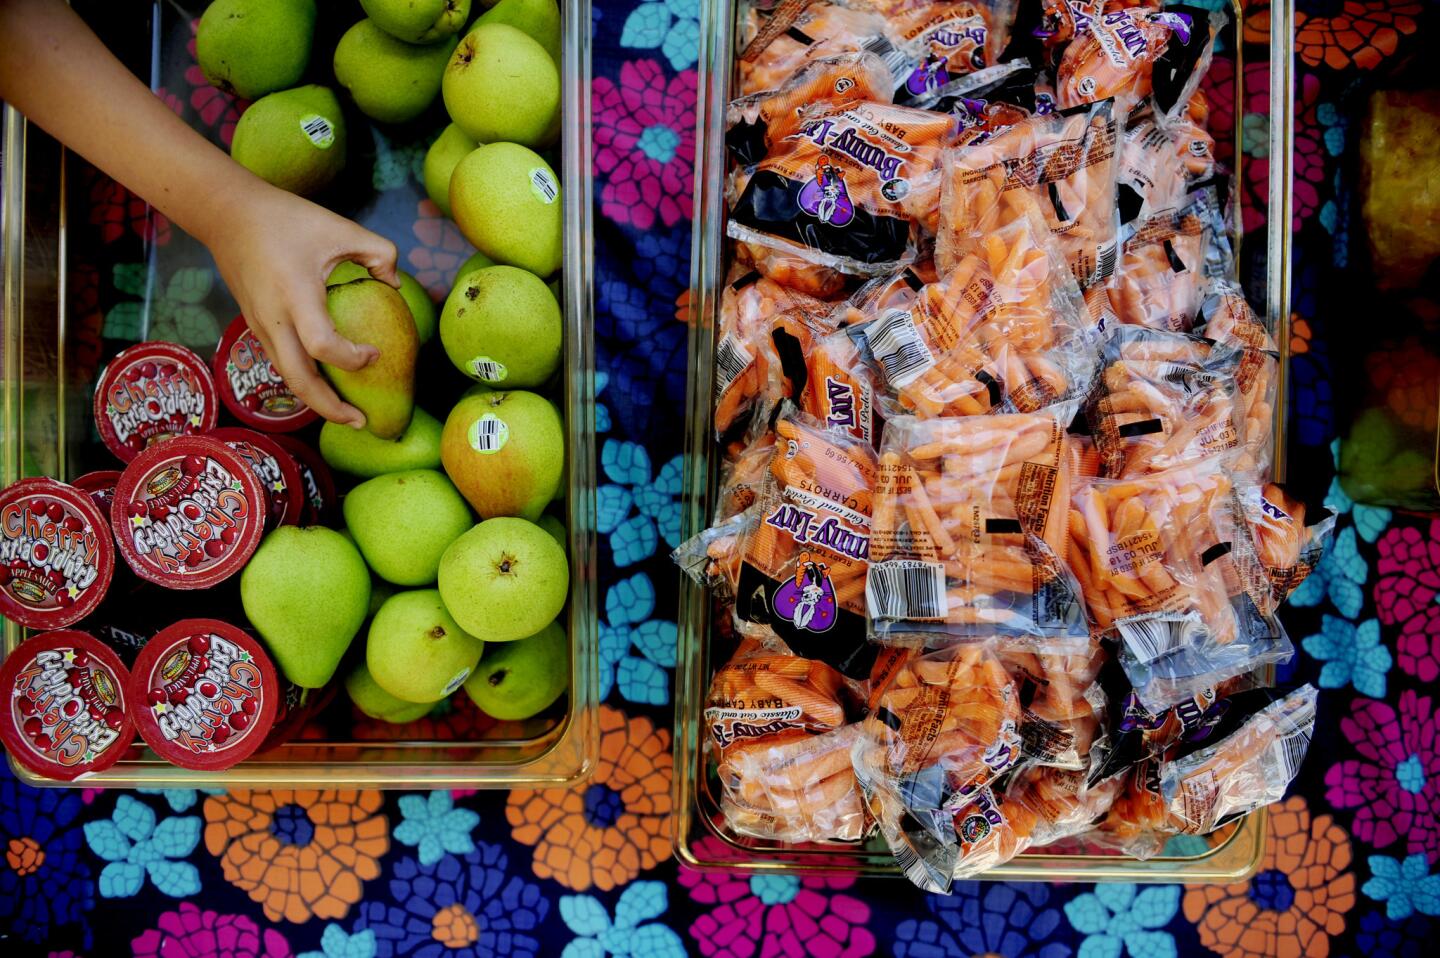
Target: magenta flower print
{"points": [[645, 144], [219, 111], [769, 916], [191, 932], [1395, 783], [1406, 595]]}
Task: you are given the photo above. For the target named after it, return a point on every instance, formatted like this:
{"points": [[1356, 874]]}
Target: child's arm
{"points": [[274, 249]]}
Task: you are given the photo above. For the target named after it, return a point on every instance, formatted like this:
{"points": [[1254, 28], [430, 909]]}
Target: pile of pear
{"points": [[452, 564]]}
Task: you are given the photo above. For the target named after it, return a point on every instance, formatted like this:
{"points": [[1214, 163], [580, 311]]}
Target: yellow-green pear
{"points": [[360, 454], [505, 579], [501, 85], [294, 139], [506, 200], [501, 326], [449, 148], [403, 522], [537, 19], [418, 21], [505, 452], [367, 311], [416, 651], [254, 47], [422, 307], [390, 80], [520, 679], [377, 703]]}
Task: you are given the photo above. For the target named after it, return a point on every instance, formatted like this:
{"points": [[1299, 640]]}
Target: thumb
{"points": [[375, 253]]}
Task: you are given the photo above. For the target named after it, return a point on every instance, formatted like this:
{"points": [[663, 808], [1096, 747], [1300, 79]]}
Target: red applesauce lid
{"points": [[204, 694], [68, 712], [101, 486], [319, 482], [151, 392], [276, 469], [188, 513], [57, 555], [252, 388]]}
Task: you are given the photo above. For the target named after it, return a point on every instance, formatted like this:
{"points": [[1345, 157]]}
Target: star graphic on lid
{"points": [[137, 522], [277, 486], [160, 708], [245, 656], [69, 656], [89, 755], [73, 591], [194, 419]]}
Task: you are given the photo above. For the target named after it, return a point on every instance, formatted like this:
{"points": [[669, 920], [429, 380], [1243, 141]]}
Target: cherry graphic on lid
{"points": [[156, 696], [214, 548], [190, 511], [26, 706], [42, 742], [71, 708], [64, 600], [159, 512], [73, 524], [193, 559], [179, 696], [198, 644], [192, 465], [208, 689], [40, 552], [132, 374], [96, 710], [82, 659], [147, 370], [228, 535], [114, 718], [239, 721], [54, 512], [221, 733], [4, 574], [33, 727], [136, 510], [249, 706]]}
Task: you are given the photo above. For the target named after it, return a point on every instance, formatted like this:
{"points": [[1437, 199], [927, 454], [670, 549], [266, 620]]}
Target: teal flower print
{"points": [[641, 678], [602, 412], [656, 511], [1370, 521], [628, 935], [435, 826], [335, 943], [1115, 919], [180, 799], [1352, 655], [134, 845], [1340, 575], [1404, 886], [173, 310], [670, 26]]}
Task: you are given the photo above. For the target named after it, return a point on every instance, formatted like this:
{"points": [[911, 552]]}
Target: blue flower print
{"points": [[1370, 521], [180, 799], [1117, 918], [435, 826], [670, 26], [44, 882], [1406, 887], [1352, 655], [134, 846], [627, 936], [1333, 125], [602, 413], [1011, 920], [1340, 575], [334, 943], [1379, 937], [628, 606], [656, 509], [470, 907]]}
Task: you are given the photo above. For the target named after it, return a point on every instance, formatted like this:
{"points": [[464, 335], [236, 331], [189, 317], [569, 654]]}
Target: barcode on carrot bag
{"points": [[1154, 637], [731, 360], [898, 348], [1289, 750], [906, 589]]}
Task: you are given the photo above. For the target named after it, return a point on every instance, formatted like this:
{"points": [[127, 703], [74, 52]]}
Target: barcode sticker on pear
{"points": [[488, 370], [456, 682], [489, 433], [544, 185], [319, 130]]}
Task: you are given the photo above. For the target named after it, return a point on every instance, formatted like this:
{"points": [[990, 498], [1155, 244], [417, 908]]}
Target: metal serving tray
{"points": [[48, 378], [700, 835]]}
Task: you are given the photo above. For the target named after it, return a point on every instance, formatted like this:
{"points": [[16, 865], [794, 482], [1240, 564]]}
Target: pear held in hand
{"points": [[366, 311]]}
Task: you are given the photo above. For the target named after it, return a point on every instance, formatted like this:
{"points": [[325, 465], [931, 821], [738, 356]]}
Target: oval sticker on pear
{"points": [[489, 433]]}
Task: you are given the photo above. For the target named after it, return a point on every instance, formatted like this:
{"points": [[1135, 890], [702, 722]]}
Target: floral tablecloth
{"points": [[1352, 853]]}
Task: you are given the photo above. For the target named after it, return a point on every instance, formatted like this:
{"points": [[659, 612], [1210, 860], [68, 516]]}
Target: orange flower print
{"points": [[1300, 334], [299, 854], [1357, 33], [1294, 904], [604, 833]]}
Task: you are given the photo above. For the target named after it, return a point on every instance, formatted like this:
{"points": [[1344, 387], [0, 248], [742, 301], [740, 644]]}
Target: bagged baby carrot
{"points": [[1167, 264], [1062, 708], [1064, 803], [1131, 53], [998, 333], [775, 49], [987, 101], [839, 389], [1160, 159], [951, 39], [1136, 821], [1230, 320], [845, 186], [793, 272], [969, 531], [1248, 763], [741, 478], [1062, 165], [1287, 550], [712, 556], [805, 559]]}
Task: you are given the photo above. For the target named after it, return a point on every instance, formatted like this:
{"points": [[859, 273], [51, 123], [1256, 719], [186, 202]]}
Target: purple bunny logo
{"points": [[928, 76], [807, 600], [826, 197]]}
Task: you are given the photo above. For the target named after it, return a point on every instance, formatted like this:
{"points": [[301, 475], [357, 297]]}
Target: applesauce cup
{"points": [[53, 343]]}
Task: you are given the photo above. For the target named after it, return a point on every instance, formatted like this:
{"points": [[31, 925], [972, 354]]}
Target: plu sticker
{"points": [[488, 434], [318, 130], [488, 370], [456, 682], [544, 185]]}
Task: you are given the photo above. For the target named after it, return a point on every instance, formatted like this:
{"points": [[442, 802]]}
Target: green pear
{"points": [[506, 200], [403, 522], [416, 651], [380, 590], [537, 19], [294, 139], [359, 453], [505, 579], [556, 528], [500, 325], [501, 85], [307, 592], [418, 21], [377, 703], [449, 148], [254, 47], [520, 679], [390, 80], [368, 311], [422, 307], [477, 260], [505, 452]]}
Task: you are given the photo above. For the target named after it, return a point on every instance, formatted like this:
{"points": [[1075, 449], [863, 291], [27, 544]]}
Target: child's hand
{"points": [[274, 251]]}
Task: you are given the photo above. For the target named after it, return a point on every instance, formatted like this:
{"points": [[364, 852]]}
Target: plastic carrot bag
{"points": [[838, 80], [1286, 549], [1230, 320], [1136, 821], [805, 559], [998, 333], [1159, 161], [793, 272], [741, 478], [1062, 708], [969, 532], [845, 186], [775, 47], [1062, 165], [776, 724], [951, 39], [988, 101], [1168, 263], [1161, 400], [1132, 53], [839, 389], [712, 556], [1064, 802], [1248, 763]]}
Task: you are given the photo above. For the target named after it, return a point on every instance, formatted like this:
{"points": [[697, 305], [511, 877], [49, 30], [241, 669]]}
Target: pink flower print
{"points": [[768, 916], [441, 251], [218, 110], [1406, 594], [645, 144], [1395, 783], [115, 211], [192, 933]]}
